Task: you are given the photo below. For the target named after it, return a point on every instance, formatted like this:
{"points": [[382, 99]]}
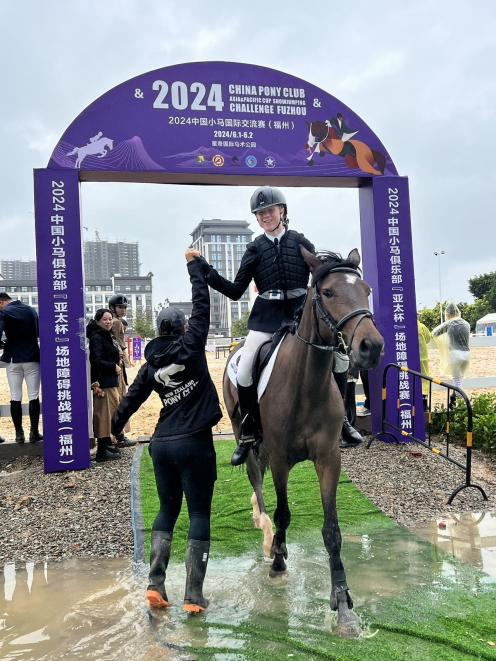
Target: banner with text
{"points": [[62, 327], [221, 117]]}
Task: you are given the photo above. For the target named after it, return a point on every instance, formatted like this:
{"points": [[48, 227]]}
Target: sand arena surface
{"points": [[482, 364]]}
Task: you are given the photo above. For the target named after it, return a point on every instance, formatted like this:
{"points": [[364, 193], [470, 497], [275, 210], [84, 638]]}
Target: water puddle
{"points": [[94, 609], [470, 537]]}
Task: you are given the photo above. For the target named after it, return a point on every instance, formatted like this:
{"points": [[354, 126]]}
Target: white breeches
{"points": [[253, 340], [16, 373]]}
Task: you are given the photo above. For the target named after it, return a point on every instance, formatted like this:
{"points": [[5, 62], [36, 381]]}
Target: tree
{"points": [[239, 327], [430, 317], [143, 327], [482, 285]]}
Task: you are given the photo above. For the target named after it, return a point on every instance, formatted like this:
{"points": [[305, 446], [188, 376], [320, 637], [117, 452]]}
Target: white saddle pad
{"points": [[232, 370]]}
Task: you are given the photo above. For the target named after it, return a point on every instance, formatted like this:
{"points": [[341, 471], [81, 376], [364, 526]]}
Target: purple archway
{"points": [[218, 123]]}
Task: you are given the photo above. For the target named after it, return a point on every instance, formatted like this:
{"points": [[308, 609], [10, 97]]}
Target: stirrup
{"points": [[241, 452]]}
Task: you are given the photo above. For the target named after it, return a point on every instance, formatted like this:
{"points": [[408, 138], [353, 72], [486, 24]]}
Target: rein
{"points": [[335, 327]]}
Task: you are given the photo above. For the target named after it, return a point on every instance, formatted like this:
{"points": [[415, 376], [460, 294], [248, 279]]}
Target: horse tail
{"points": [[71, 153], [380, 160], [364, 157]]}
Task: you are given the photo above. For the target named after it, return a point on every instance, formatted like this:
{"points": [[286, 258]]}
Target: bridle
{"points": [[319, 312]]}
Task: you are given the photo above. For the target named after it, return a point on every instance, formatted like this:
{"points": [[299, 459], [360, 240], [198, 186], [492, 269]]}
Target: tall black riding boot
{"points": [[196, 568], [156, 596], [247, 397], [34, 419], [16, 414], [350, 438]]}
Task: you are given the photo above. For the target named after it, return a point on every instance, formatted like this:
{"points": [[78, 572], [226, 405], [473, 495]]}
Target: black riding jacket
{"points": [[189, 399], [273, 267], [104, 355], [19, 322]]}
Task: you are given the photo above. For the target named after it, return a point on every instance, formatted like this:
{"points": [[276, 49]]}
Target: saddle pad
{"points": [[232, 370]]}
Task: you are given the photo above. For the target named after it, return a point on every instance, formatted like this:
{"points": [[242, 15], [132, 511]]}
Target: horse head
{"points": [[341, 306]]}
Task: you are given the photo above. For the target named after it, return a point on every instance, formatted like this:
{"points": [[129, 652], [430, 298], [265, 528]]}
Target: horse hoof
{"points": [[309, 162], [276, 573]]}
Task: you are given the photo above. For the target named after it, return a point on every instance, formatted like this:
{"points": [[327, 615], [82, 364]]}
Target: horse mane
{"points": [[331, 260]]}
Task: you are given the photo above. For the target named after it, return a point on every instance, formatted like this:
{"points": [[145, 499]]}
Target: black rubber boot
{"points": [[156, 596], [247, 396], [350, 438], [123, 441], [34, 419], [103, 452], [16, 414], [196, 568]]}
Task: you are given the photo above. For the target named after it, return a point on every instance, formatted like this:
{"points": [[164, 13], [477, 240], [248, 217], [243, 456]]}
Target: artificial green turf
{"points": [[232, 530], [440, 620]]}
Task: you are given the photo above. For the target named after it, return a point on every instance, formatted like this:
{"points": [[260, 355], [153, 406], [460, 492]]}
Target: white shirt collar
{"points": [[279, 236]]}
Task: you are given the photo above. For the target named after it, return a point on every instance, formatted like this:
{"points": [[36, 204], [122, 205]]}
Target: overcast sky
{"points": [[420, 73]]}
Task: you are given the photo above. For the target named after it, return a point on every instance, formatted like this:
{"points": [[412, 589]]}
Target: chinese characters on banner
{"points": [[136, 348], [60, 288], [388, 268]]}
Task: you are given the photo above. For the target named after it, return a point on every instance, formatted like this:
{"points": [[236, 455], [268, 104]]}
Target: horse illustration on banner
{"points": [[336, 138], [97, 145]]}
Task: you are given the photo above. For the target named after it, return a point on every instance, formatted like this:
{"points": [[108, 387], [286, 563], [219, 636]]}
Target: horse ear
{"points": [[354, 257], [310, 259]]}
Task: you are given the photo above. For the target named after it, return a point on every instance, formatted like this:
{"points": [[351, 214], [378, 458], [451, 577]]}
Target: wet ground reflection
{"points": [[470, 537], [95, 609]]}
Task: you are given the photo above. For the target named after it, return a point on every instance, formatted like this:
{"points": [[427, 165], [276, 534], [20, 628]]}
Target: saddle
{"points": [[265, 351]]}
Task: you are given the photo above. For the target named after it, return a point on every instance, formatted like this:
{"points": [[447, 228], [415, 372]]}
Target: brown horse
{"points": [[302, 410], [322, 138]]}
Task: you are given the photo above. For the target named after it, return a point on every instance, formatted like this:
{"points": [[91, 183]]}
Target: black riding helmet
{"points": [[267, 196], [171, 321], [117, 299]]}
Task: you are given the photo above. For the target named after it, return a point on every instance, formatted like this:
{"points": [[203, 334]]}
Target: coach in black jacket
{"points": [[21, 352], [182, 448]]}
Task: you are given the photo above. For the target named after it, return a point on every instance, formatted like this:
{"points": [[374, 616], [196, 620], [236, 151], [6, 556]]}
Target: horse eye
{"points": [[328, 293]]}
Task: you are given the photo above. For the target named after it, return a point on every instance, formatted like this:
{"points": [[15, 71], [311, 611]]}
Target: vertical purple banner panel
{"points": [[61, 307], [388, 268], [136, 348]]}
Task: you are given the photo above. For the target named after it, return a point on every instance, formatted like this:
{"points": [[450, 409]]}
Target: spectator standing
{"points": [[458, 333], [425, 337], [104, 365], [21, 352], [118, 307]]}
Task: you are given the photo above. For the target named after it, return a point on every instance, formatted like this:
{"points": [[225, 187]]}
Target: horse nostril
{"points": [[366, 346]]}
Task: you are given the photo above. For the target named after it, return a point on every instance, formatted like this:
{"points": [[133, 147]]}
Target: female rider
{"points": [[274, 261]]}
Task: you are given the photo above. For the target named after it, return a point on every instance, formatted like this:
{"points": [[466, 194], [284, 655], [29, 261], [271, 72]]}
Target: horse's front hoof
{"points": [[349, 627]]}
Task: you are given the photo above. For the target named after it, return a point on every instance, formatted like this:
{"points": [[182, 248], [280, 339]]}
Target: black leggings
{"points": [[186, 465]]}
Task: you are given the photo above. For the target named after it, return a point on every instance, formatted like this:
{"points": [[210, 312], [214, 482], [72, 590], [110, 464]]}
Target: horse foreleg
{"points": [[260, 518], [282, 519], [348, 624], [262, 521]]}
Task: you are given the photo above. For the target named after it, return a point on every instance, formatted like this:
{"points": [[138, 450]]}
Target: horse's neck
{"points": [[308, 363]]}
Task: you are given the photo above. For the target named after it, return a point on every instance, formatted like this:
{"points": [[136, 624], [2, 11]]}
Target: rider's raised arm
{"points": [[236, 289]]}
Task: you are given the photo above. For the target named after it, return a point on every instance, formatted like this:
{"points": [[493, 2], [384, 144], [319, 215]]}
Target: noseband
{"points": [[319, 312]]}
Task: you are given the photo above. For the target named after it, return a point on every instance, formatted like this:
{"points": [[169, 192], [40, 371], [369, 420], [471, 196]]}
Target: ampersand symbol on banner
{"points": [[138, 94], [316, 103]]}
